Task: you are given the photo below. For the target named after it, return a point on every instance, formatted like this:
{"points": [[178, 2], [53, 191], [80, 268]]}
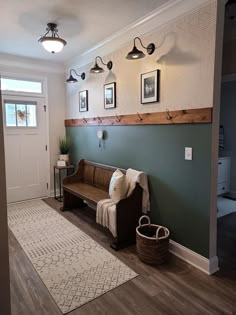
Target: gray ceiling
{"points": [[82, 23]]}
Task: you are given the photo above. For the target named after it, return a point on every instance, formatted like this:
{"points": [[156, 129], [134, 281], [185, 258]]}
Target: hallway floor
{"points": [[225, 206], [174, 288]]}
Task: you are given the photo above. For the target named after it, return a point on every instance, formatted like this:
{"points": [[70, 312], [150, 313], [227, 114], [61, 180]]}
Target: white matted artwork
{"points": [[150, 85], [110, 95], [83, 101]]}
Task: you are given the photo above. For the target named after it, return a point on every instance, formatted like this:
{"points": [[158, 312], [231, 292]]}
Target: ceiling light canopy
{"points": [[52, 42], [97, 69], [135, 53], [72, 79]]}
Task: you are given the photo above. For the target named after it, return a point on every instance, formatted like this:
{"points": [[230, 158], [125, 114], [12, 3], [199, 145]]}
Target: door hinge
{"points": [[47, 185], [45, 108], [46, 147]]}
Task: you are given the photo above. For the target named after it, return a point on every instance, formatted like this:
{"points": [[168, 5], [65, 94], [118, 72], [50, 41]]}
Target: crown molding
{"points": [[155, 19], [17, 62]]}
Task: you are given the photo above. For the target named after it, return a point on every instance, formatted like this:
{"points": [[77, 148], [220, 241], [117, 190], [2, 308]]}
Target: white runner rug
{"points": [[74, 268]]}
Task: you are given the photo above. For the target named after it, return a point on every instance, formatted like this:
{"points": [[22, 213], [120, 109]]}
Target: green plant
{"points": [[64, 145]]}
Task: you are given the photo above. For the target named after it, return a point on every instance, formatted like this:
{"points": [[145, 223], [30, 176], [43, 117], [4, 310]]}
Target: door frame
{"points": [[43, 95]]}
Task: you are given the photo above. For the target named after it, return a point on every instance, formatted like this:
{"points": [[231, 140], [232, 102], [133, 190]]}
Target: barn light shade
{"points": [[97, 69], [72, 79], [52, 42], [135, 53]]}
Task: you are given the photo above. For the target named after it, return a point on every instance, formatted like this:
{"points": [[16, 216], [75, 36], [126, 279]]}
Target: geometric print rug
{"points": [[74, 268]]}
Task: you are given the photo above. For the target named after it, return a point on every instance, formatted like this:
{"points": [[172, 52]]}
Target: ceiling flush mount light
{"points": [[135, 53], [71, 79], [52, 43], [97, 69]]}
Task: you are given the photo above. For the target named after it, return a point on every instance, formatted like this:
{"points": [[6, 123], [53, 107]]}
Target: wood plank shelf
{"points": [[188, 116]]}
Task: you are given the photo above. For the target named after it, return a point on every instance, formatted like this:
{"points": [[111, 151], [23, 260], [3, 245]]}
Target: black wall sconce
{"points": [[71, 79], [135, 53], [97, 69]]}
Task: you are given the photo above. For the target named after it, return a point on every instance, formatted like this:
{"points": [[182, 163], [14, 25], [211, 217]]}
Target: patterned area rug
{"points": [[74, 268]]}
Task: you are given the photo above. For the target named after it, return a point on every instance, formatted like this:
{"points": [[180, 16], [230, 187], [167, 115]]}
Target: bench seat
{"points": [[87, 192]]}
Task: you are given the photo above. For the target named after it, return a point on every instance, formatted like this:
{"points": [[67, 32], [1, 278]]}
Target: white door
{"points": [[25, 148]]}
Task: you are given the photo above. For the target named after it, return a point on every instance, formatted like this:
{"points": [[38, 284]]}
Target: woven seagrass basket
{"points": [[152, 242]]}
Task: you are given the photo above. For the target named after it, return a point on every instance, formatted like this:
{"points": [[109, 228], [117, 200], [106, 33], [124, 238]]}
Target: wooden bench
{"points": [[90, 183]]}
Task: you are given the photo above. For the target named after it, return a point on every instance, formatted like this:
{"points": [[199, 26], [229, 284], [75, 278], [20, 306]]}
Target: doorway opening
{"points": [[226, 183], [26, 139]]}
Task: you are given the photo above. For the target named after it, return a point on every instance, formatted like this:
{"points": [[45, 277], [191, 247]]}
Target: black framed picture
{"points": [[83, 101], [150, 86], [110, 95]]}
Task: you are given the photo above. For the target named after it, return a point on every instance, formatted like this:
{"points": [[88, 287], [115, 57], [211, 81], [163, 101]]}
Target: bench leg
{"points": [[71, 202]]}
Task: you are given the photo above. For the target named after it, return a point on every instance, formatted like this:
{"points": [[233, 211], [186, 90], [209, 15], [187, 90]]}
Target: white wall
{"points": [[54, 74], [5, 300], [185, 55]]}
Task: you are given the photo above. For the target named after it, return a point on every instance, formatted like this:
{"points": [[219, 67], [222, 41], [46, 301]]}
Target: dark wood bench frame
{"points": [[128, 210]]}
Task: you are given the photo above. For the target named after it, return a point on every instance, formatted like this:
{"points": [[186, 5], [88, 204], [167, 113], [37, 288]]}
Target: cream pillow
{"points": [[118, 186]]}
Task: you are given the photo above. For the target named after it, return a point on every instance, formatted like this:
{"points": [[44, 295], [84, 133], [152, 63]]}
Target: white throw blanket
{"points": [[134, 177], [106, 208], [106, 215]]}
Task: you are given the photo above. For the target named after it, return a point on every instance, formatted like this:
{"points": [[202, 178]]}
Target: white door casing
{"points": [[27, 161]]}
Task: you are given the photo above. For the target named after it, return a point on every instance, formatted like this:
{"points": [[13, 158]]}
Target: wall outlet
{"points": [[188, 153]]}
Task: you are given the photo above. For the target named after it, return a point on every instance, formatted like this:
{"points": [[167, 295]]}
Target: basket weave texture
{"points": [[152, 242]]}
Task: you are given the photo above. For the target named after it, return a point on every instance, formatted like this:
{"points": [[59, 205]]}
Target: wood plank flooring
{"points": [[174, 288]]}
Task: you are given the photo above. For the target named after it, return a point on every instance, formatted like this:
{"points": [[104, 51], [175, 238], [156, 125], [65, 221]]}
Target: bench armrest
{"points": [[76, 176], [129, 211]]}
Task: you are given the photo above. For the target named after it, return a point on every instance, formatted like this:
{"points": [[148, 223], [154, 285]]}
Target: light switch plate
{"points": [[188, 153]]}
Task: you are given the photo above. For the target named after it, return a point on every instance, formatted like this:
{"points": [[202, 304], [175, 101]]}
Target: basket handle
{"points": [[158, 230], [143, 217]]}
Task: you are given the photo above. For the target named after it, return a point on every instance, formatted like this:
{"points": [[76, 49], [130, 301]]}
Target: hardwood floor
{"points": [[174, 288]]}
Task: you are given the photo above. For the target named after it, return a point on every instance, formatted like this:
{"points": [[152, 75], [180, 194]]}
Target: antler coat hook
{"points": [[168, 117]]}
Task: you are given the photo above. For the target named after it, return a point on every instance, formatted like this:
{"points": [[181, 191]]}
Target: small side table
{"points": [[69, 170]]}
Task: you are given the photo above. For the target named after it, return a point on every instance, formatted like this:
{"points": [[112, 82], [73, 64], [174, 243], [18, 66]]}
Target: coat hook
{"points": [[99, 119], [84, 120], [139, 117], [168, 117], [117, 118]]}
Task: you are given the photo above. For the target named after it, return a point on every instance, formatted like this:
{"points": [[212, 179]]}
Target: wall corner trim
{"points": [[208, 266]]}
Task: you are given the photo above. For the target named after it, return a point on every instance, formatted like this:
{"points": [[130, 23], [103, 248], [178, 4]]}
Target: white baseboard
{"points": [[209, 266]]}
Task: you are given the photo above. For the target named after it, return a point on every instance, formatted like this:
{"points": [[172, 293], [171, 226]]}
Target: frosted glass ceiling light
{"points": [[53, 43], [135, 53]]}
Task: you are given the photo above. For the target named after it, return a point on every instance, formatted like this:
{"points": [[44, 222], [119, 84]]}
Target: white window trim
{"points": [[33, 78], [17, 126]]}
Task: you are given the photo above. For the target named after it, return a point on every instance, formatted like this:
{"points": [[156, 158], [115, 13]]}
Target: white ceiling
{"points": [[82, 23]]}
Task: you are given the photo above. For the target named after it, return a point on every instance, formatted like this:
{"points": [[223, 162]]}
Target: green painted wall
{"points": [[180, 190]]}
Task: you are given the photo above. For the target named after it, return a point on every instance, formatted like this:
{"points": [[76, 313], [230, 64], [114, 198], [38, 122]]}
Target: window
{"points": [[17, 85], [20, 114]]}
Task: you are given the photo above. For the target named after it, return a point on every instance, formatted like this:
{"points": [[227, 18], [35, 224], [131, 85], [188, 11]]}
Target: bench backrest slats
{"points": [[88, 174], [102, 178], [98, 175]]}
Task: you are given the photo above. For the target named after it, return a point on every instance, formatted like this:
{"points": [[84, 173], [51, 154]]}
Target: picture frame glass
{"points": [[150, 82], [110, 95], [83, 101]]}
